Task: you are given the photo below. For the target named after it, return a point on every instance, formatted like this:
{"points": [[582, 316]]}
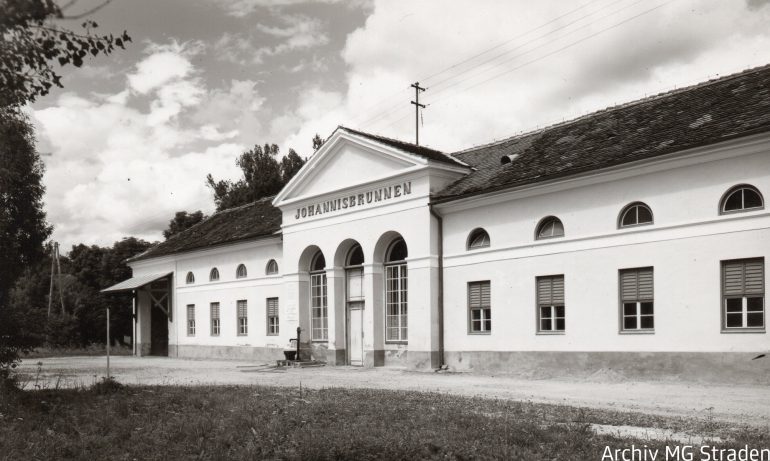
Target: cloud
{"points": [[549, 67], [118, 169], [241, 8], [166, 63]]}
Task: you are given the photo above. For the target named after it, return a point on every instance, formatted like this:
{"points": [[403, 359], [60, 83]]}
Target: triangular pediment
{"points": [[346, 161]]}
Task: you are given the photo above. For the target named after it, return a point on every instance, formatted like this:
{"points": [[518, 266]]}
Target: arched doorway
{"points": [[354, 304]]}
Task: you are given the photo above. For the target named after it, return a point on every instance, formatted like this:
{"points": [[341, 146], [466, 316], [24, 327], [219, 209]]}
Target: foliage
{"points": [[86, 271], [33, 41], [22, 223], [257, 422], [263, 176], [183, 220]]}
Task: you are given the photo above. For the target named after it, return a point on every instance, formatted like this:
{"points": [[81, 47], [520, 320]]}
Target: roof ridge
{"points": [[383, 138], [620, 106]]}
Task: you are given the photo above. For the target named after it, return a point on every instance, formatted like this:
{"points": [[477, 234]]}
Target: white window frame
{"points": [[273, 321], [477, 239], [485, 311], [637, 301], [635, 208], [744, 297], [272, 267], [216, 321], [242, 321], [319, 308], [397, 273], [740, 188], [191, 320], [552, 309], [549, 220]]}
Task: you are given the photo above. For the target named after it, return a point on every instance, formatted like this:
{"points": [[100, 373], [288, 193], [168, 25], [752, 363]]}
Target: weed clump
{"points": [[106, 386]]}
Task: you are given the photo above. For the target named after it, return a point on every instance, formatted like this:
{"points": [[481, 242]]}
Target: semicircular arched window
{"points": [[355, 256], [241, 271], [318, 263], [550, 227], [272, 267], [743, 197], [397, 251], [214, 275], [635, 214], [190, 279], [478, 239]]}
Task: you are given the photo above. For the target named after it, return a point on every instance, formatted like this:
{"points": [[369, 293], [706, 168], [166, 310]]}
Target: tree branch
{"points": [[85, 13]]}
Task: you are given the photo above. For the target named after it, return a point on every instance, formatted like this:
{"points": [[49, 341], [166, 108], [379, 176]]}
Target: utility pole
{"points": [[58, 280], [417, 106], [50, 288]]}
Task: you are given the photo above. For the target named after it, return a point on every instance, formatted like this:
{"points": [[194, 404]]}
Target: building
{"points": [[631, 238]]}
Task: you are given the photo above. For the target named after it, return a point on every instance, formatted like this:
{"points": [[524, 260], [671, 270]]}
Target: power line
{"points": [[567, 46], [564, 26], [514, 57], [397, 105], [570, 45]]}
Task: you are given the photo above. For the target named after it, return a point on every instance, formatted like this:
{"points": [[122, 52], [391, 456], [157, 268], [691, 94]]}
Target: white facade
{"points": [[685, 246]]}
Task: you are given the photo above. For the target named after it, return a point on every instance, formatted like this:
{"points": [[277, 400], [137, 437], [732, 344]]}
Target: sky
{"points": [[130, 138]]}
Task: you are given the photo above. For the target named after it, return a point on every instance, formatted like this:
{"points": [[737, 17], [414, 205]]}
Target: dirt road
{"points": [[748, 404]]}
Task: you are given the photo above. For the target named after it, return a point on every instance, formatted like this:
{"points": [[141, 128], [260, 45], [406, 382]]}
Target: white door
{"points": [[356, 334]]}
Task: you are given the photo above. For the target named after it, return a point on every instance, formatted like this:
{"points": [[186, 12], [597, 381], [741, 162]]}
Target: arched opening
{"points": [[214, 275], [478, 238], [351, 255], [635, 214], [241, 272], [396, 292], [549, 227], [319, 311], [743, 197], [271, 268]]}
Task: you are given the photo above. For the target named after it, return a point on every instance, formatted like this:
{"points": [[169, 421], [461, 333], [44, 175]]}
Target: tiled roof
{"points": [[247, 222], [714, 111], [421, 151]]}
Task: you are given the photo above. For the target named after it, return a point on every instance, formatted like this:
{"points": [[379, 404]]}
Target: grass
{"points": [[116, 422]]}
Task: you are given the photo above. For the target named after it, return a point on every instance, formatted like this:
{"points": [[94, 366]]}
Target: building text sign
{"points": [[356, 200]]}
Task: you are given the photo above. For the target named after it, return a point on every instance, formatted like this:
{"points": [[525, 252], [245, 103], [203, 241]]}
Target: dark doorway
{"points": [[158, 332]]}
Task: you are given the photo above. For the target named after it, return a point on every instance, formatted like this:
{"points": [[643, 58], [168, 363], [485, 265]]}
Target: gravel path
{"points": [[745, 404]]}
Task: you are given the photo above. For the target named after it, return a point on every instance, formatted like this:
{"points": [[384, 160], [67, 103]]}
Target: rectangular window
{"points": [[243, 318], [318, 308], [214, 319], [637, 299], [479, 307], [191, 320], [743, 294], [272, 316], [396, 303], [550, 303]]}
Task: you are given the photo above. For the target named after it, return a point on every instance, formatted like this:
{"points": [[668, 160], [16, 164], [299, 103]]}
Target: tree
{"points": [[263, 176], [183, 220], [23, 229], [290, 165], [33, 41]]}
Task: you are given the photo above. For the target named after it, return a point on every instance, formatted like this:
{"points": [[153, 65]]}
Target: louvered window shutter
{"points": [[637, 284], [550, 291], [744, 277], [272, 307]]}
